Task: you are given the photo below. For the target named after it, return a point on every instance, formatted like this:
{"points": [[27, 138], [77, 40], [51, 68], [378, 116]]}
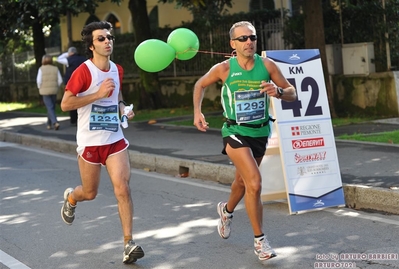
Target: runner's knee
{"points": [[91, 195], [122, 190]]}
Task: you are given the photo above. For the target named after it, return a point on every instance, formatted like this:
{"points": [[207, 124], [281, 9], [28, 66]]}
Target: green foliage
{"points": [[294, 32], [354, 27], [18, 18]]}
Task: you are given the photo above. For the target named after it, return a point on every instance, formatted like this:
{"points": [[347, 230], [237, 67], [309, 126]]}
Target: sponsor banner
{"points": [[306, 138]]}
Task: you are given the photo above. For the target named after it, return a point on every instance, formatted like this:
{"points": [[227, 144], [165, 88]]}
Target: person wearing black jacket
{"points": [[71, 60]]}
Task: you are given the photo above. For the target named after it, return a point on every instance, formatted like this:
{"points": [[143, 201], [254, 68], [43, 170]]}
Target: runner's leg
{"points": [[118, 167], [247, 167], [90, 177]]}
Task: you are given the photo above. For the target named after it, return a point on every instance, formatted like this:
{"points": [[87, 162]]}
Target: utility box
{"points": [[358, 58], [334, 59]]}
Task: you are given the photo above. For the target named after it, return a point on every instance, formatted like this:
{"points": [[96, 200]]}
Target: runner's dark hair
{"points": [[87, 34]]}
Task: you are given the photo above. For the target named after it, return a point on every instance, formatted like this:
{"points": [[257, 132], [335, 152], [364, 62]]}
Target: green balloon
{"points": [[153, 55], [185, 42]]}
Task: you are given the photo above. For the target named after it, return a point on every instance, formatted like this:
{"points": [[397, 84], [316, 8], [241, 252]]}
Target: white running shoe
{"points": [[263, 249], [132, 252], [224, 221], [67, 210]]}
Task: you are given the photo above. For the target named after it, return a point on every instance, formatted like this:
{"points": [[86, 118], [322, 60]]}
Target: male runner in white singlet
{"points": [[94, 89]]}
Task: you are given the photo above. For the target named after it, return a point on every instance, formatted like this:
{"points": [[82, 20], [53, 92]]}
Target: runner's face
{"points": [[246, 48], [102, 48]]}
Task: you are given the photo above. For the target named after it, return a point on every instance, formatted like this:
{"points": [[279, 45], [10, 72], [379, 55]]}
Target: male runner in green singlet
{"points": [[245, 99]]}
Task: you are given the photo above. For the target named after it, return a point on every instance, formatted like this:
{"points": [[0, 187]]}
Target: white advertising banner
{"points": [[306, 139]]}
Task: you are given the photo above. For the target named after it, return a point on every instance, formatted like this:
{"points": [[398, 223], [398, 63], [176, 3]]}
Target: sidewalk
{"points": [[171, 149]]}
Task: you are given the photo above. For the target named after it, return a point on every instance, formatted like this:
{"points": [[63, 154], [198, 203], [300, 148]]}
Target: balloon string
{"points": [[208, 52], [212, 52]]}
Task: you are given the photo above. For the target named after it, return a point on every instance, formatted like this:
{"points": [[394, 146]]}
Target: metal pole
{"points": [[13, 68], [386, 39], [211, 43], [282, 23], [27, 66], [340, 23]]}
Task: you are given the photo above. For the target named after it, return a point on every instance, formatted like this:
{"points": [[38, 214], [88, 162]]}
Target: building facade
{"points": [[163, 14]]}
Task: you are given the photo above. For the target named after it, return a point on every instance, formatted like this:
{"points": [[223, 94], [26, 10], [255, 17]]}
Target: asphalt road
{"points": [[175, 222]]}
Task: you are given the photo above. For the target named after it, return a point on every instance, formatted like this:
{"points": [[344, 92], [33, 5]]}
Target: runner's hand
{"points": [[269, 88], [200, 123], [106, 88]]}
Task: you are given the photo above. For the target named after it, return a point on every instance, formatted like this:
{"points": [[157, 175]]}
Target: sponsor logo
{"points": [[295, 57], [310, 129], [295, 131], [301, 170], [308, 143], [318, 203], [313, 157], [316, 169], [236, 74]]}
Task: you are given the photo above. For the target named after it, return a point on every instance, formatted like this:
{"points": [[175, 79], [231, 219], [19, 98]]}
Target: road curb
{"points": [[371, 198], [356, 196]]}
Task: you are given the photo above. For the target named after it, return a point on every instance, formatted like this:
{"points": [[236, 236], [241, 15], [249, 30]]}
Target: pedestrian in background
{"points": [[48, 81], [94, 89], [71, 60], [245, 99]]}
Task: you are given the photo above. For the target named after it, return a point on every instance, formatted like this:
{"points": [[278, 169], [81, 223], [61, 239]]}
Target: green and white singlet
{"points": [[242, 101]]}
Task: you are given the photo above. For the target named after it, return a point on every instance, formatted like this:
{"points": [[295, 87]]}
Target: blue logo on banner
{"points": [[293, 56]]}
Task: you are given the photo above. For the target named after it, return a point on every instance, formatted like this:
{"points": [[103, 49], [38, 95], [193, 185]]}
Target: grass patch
{"points": [[386, 137], [30, 108], [4, 107], [347, 121], [213, 121], [148, 114]]}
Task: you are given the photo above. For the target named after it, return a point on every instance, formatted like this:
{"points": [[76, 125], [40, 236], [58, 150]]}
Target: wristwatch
{"points": [[280, 92]]}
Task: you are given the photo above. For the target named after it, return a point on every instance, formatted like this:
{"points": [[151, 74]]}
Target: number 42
{"points": [[296, 106]]}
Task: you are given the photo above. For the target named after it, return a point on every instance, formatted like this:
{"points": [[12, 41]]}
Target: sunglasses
{"points": [[244, 38], [102, 38]]}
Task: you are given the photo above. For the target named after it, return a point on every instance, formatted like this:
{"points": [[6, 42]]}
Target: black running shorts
{"points": [[256, 144]]}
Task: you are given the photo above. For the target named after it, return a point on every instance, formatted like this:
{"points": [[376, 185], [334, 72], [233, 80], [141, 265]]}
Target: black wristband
{"points": [[280, 92], [123, 102]]}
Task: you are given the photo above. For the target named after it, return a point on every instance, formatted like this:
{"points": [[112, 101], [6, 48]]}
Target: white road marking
{"points": [[11, 262]]}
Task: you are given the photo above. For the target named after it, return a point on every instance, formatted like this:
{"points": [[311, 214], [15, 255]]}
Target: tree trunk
{"points": [[314, 38], [150, 89], [38, 43], [69, 28]]}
